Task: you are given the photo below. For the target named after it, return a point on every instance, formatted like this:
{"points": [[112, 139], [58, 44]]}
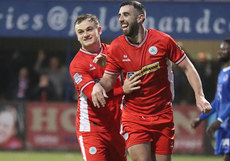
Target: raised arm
{"points": [[100, 60], [195, 82]]}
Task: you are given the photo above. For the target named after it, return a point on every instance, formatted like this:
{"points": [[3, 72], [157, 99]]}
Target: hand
{"points": [[130, 84], [203, 104], [196, 122], [212, 128], [44, 81], [100, 60], [98, 95]]}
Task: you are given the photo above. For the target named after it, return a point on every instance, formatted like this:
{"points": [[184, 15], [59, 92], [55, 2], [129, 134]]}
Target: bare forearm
{"points": [[192, 76], [107, 82], [194, 81]]}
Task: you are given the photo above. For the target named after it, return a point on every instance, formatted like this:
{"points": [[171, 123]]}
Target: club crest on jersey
{"points": [[92, 150], [153, 50]]}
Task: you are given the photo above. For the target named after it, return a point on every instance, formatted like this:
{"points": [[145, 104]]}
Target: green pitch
{"points": [[76, 156]]}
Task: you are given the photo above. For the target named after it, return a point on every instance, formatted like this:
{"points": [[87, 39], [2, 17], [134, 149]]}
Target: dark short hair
{"points": [[91, 17], [137, 5]]}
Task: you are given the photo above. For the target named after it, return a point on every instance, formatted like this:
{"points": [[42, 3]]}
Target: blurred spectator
{"points": [[57, 76], [19, 88], [55, 72], [41, 61], [9, 129], [4, 60], [44, 90]]}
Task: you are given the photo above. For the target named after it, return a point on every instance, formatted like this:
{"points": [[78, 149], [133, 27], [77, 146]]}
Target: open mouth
{"points": [[87, 39], [124, 26]]}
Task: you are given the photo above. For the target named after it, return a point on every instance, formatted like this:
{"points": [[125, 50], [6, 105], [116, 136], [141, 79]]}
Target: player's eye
{"points": [[80, 32], [126, 14], [90, 29], [119, 15]]}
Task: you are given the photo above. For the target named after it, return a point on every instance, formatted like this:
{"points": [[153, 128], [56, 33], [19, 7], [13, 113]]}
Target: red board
{"points": [[187, 140], [51, 126]]}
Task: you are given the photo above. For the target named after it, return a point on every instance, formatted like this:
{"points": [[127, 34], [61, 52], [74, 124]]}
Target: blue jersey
{"points": [[223, 98], [221, 105]]}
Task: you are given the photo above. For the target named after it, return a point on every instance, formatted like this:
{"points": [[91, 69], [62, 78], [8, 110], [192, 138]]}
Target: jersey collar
{"points": [[89, 53], [138, 45], [226, 69]]}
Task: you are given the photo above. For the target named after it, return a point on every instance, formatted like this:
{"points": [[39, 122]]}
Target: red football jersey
{"points": [[85, 74], [152, 59]]}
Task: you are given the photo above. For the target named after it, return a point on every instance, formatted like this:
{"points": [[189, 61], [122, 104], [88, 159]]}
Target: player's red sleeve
{"points": [[175, 53], [113, 66], [82, 80], [88, 90]]}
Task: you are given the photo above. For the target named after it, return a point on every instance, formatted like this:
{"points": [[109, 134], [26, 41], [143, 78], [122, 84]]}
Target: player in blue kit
{"points": [[220, 105]]}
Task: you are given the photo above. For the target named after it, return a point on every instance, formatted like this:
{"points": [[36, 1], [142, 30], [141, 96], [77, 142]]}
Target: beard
{"points": [[224, 59], [133, 30]]}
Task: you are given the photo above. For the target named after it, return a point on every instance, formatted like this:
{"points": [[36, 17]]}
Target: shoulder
{"points": [[226, 69], [78, 61], [161, 38], [159, 35], [105, 46], [75, 59], [118, 41]]}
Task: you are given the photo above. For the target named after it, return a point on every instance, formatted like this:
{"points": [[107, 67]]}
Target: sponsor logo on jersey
{"points": [[91, 67], [97, 80], [125, 58], [153, 50], [77, 78], [130, 74], [178, 46], [126, 136], [225, 78], [92, 150], [225, 142], [172, 144], [146, 69]]}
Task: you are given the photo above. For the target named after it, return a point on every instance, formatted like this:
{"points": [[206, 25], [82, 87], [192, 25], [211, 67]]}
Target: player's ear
{"points": [[100, 30], [141, 18]]}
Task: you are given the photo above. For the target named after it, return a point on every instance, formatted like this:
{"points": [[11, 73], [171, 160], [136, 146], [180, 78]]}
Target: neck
{"points": [[226, 64], [139, 37], [95, 48]]}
